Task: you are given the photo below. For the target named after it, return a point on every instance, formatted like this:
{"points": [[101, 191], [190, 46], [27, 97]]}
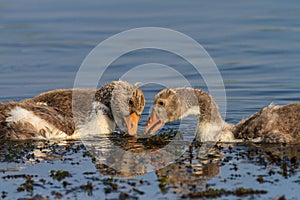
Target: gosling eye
{"points": [[130, 102], [161, 103]]}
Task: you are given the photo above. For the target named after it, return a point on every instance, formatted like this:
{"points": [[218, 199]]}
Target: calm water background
{"points": [[255, 45]]}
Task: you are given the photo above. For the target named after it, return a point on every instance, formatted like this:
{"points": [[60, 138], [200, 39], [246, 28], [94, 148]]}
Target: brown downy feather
{"points": [[25, 130], [273, 124]]}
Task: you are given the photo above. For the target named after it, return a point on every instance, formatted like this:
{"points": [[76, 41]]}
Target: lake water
{"points": [[254, 44]]}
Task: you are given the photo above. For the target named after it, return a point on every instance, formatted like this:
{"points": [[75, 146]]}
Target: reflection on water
{"points": [[129, 156], [55, 168]]}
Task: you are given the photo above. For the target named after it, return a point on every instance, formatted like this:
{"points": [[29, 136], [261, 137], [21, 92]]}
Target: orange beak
{"points": [[153, 124], [132, 123]]}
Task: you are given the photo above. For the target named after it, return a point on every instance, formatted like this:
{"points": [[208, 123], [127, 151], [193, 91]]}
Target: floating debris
{"points": [[214, 193], [45, 170], [59, 174]]}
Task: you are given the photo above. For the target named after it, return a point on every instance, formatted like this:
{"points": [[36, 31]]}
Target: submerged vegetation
{"points": [[66, 169], [161, 139], [214, 193], [59, 174]]}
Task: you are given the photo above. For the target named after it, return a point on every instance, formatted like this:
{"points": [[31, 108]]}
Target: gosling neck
{"points": [[198, 103], [211, 126]]}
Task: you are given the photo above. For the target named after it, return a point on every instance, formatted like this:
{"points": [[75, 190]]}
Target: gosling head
{"points": [[126, 103], [166, 108], [175, 104]]}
